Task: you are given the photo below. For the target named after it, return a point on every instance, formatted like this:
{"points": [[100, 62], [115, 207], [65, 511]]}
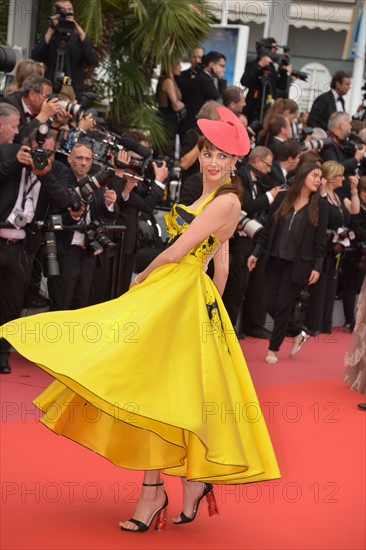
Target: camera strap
{"points": [[29, 184]]}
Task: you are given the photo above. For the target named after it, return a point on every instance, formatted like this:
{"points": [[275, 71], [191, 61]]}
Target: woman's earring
{"points": [[233, 173], [201, 170]]}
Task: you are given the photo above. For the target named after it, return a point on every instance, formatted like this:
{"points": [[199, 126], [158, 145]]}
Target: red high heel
{"points": [[211, 505], [160, 514]]}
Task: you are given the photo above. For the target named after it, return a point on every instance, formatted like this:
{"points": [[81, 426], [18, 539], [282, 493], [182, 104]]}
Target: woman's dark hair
{"points": [[294, 192], [236, 185]]}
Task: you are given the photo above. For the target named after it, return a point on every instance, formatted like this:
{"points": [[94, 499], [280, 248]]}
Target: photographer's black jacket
{"points": [[98, 211], [78, 55], [25, 125], [53, 194], [344, 154], [252, 79], [144, 202]]}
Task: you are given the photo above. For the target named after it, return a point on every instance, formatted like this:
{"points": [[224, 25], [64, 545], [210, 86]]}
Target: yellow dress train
{"points": [[155, 379]]}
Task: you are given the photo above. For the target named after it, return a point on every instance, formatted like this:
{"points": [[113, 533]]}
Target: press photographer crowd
{"points": [[78, 200]]}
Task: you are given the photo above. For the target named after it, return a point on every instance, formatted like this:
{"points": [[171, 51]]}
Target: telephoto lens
{"points": [[52, 268]]}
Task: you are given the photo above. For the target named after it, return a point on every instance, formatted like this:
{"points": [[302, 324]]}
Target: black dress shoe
{"points": [[362, 406], [4, 366], [257, 331]]}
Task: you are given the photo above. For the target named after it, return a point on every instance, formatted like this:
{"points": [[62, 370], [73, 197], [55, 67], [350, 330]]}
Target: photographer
{"points": [[75, 253], [264, 82], [26, 194], [342, 149], [65, 46], [243, 286], [134, 197], [33, 104]]}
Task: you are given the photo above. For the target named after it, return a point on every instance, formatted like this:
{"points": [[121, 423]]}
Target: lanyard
{"points": [[27, 190]]}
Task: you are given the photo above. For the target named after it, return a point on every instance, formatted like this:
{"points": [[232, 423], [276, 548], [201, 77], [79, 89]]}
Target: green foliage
{"points": [[4, 11], [132, 38]]}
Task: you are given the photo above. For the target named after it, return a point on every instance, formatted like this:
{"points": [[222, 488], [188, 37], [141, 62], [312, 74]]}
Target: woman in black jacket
{"points": [[294, 242]]}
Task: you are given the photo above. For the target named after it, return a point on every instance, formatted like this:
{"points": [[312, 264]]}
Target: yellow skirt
{"points": [[155, 379]]}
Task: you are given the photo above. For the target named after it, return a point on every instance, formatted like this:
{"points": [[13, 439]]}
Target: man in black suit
{"points": [[209, 84], [32, 104], [329, 102], [72, 288], [77, 47], [184, 79], [26, 194], [286, 159], [279, 130]]}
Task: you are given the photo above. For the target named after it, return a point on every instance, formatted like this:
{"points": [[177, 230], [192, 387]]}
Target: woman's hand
{"points": [[314, 277]]}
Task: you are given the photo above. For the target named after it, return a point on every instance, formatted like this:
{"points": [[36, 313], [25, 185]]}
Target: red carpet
{"points": [[56, 494]]}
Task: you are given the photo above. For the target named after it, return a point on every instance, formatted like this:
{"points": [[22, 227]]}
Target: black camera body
{"points": [[63, 26], [39, 154], [98, 242], [281, 59], [87, 186]]}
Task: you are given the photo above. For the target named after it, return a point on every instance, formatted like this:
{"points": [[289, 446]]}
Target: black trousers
{"points": [[319, 312], [15, 275], [72, 288], [239, 251], [281, 294]]}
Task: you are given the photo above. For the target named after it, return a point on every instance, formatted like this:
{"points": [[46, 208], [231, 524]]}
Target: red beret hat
{"points": [[227, 134]]}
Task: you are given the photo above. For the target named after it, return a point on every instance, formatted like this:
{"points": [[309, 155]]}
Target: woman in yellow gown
{"points": [[156, 380]]}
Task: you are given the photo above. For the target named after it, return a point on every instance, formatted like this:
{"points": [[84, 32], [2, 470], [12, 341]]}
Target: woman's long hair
{"points": [[294, 193], [278, 108], [235, 185]]}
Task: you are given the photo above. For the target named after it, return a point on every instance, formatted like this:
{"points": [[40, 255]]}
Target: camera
{"points": [[39, 154], [301, 75], [98, 242], [17, 219], [82, 194], [317, 144], [8, 59], [251, 227], [74, 109], [63, 25], [281, 59]]}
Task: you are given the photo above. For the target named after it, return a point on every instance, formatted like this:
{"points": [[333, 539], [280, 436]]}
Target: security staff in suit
{"points": [[24, 191], [208, 84], [294, 244], [72, 288], [185, 77], [330, 102]]}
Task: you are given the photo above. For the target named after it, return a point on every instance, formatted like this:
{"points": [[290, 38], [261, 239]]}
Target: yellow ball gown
{"points": [[156, 378]]}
